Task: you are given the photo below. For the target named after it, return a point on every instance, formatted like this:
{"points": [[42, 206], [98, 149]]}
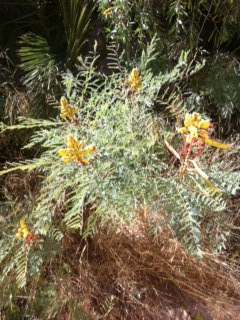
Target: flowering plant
{"points": [[196, 132], [134, 80], [75, 151], [67, 110]]}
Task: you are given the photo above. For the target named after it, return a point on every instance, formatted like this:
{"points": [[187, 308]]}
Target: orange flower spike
{"points": [[67, 111]]}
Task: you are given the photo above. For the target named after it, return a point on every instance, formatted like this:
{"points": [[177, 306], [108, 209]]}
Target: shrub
{"points": [[129, 170]]}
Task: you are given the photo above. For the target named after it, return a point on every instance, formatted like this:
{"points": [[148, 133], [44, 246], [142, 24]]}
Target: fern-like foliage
{"points": [[131, 169], [186, 23]]}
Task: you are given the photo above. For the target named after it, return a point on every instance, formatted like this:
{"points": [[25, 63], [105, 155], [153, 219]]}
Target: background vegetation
{"points": [[141, 231]]}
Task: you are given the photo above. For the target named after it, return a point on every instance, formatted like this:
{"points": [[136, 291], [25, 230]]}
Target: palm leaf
{"points": [[41, 76], [38, 62], [76, 16]]}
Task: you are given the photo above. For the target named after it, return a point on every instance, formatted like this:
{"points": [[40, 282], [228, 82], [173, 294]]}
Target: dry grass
{"points": [[130, 275]]}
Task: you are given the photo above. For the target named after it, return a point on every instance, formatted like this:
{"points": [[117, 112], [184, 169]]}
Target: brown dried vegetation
{"points": [[130, 275]]}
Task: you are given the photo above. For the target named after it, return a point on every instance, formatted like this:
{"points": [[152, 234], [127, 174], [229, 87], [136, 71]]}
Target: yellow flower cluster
{"points": [[195, 119], [67, 111], [134, 80], [194, 126], [23, 231], [75, 151], [108, 11]]}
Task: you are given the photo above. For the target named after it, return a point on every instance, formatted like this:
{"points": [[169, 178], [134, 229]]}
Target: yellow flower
{"points": [[67, 111], [19, 234], [192, 119], [108, 11], [182, 130], [193, 133], [204, 124], [75, 151], [22, 224], [195, 119], [26, 233], [23, 231], [195, 127], [192, 123], [134, 80]]}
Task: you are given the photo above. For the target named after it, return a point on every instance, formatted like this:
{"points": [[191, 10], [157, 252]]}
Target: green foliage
{"points": [[76, 18], [38, 61], [129, 22], [53, 34], [218, 88], [187, 23], [131, 170], [43, 57], [40, 66]]}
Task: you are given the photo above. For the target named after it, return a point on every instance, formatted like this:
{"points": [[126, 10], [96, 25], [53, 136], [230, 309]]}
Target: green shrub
{"points": [[130, 170]]}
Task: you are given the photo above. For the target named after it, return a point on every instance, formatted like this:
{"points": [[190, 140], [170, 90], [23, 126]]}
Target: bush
{"points": [[128, 170]]}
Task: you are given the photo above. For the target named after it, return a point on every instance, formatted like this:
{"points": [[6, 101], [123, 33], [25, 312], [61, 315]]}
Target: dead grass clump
{"points": [[129, 275]]}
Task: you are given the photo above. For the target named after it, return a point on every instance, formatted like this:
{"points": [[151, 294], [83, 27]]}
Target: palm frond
{"points": [[76, 16], [38, 62]]}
